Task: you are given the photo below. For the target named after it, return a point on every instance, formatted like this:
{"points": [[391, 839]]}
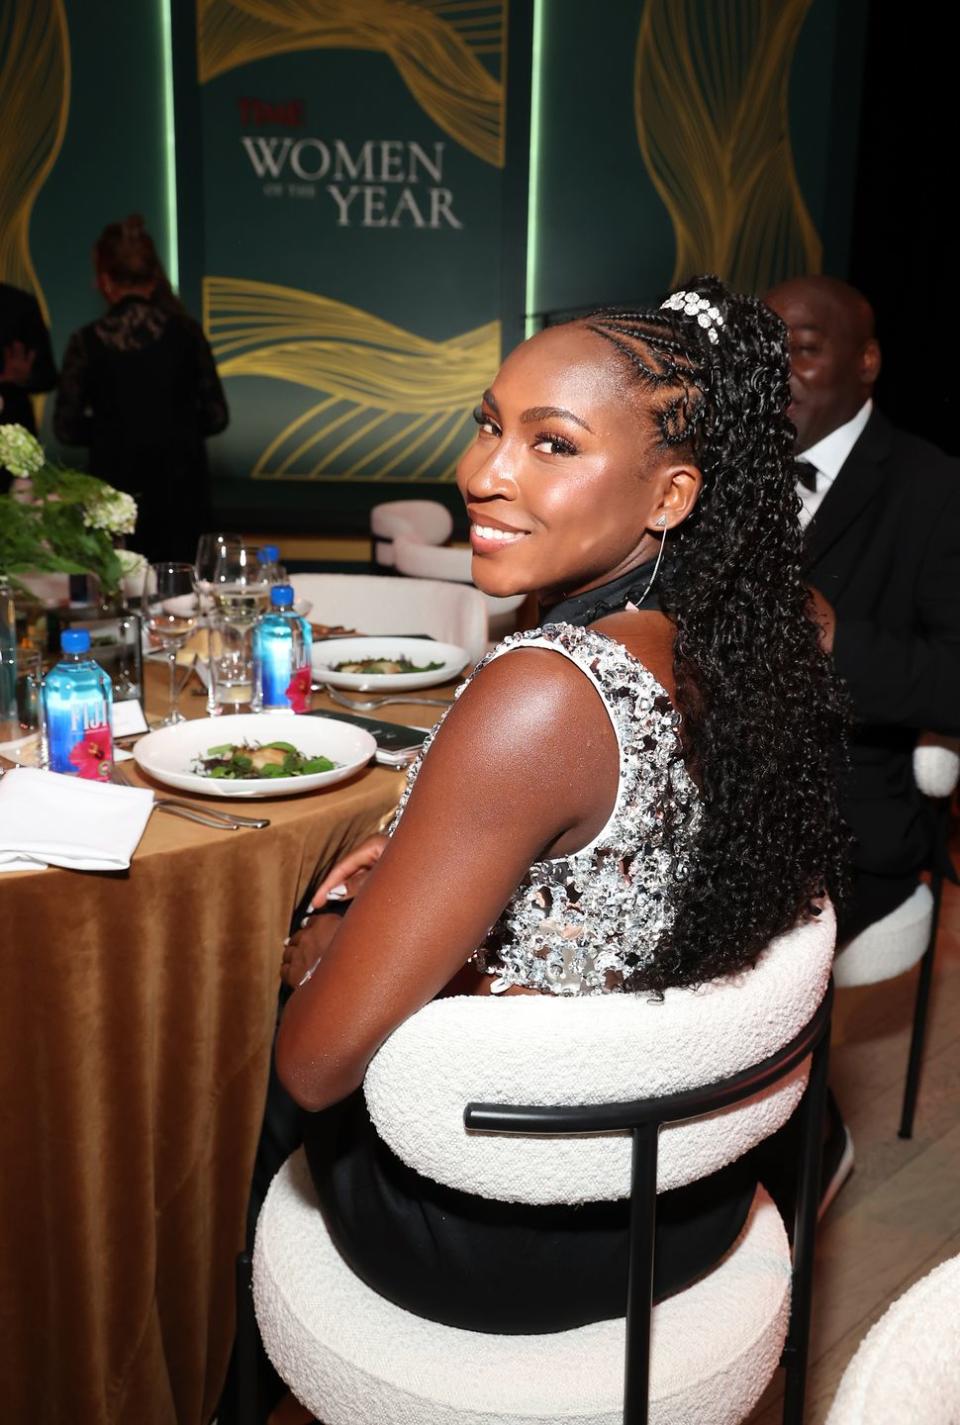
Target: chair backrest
{"points": [[426, 521], [425, 561], [453, 613], [936, 764], [541, 1049]]}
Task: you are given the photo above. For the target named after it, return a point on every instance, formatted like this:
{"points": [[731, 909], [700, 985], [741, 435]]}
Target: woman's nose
{"points": [[490, 477]]}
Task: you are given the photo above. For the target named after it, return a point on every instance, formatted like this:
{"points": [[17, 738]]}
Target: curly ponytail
{"points": [[764, 713]]}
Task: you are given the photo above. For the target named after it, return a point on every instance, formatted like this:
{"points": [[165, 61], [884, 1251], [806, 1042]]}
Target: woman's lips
{"points": [[485, 538]]}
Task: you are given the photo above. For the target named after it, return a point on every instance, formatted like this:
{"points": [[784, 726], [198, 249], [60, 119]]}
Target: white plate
{"points": [[354, 650], [168, 755]]}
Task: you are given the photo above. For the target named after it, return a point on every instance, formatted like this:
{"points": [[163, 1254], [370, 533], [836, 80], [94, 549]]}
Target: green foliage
{"points": [[49, 535]]}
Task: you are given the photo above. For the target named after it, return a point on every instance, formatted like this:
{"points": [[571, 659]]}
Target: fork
{"points": [[369, 704], [205, 816]]}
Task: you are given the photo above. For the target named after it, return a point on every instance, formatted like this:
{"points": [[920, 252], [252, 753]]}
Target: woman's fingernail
{"points": [[336, 893], [287, 941]]}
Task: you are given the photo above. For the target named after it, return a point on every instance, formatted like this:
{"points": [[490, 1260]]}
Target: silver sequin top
{"points": [[587, 922]]}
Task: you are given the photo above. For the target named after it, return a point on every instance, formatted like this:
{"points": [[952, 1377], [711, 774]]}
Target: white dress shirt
{"points": [[828, 457]]}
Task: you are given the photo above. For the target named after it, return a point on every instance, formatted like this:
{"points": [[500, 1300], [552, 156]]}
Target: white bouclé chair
{"points": [[452, 613], [425, 521], [425, 561], [356, 1359], [894, 944], [907, 1368]]}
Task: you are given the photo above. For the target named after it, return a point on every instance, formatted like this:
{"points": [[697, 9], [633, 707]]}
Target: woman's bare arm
{"points": [[525, 765]]}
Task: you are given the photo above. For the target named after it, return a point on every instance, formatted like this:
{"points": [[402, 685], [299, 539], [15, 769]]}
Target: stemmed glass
{"points": [[205, 562], [239, 585], [170, 611]]}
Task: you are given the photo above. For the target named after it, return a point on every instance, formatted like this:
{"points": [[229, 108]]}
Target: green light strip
{"points": [[169, 143], [533, 183]]}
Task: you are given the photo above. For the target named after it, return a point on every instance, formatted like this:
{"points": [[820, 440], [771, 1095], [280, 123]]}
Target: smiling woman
{"points": [[638, 794]]}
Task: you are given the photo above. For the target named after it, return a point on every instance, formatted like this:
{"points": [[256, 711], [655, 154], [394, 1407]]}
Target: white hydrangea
{"points": [[113, 511], [20, 452]]}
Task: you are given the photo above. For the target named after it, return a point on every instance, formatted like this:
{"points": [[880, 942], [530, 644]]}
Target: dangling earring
{"points": [[661, 521]]}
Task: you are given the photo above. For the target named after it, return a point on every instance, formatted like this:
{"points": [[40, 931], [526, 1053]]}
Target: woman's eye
{"points": [[554, 445], [486, 424]]}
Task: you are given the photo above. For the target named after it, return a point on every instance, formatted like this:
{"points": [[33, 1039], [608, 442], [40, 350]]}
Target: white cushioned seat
{"points": [[889, 946], [907, 1368], [536, 1049], [356, 1359], [936, 764], [453, 613], [424, 561], [426, 521]]}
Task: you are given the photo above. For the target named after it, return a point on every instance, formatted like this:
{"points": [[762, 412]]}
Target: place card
{"points": [[128, 719]]}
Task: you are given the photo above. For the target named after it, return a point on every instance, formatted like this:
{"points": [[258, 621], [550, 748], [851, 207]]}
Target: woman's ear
{"points": [[680, 491]]}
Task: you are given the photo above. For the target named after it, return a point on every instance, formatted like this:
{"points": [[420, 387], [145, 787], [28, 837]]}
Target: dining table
{"points": [[138, 1010]]}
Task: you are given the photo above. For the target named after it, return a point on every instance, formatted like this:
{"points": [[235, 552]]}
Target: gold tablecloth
{"points": [[137, 1015]]}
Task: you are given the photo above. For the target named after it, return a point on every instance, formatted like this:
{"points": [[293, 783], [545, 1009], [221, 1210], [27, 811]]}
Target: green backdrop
{"points": [[578, 153]]}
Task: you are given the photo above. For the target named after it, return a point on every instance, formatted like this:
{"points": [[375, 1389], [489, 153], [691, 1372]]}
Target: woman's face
{"points": [[561, 482]]}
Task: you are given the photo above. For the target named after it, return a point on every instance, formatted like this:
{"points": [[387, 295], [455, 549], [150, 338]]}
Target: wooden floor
{"points": [[899, 1214]]}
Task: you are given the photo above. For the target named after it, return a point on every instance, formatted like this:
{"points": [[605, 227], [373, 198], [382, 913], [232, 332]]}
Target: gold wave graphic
{"points": [[434, 45], [35, 85], [393, 405], [710, 99]]}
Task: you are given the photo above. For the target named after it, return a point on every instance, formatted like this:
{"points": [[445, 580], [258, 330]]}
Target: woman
{"points": [[140, 388], [640, 795]]}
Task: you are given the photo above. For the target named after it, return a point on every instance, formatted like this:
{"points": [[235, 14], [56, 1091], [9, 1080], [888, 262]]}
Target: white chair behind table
{"points": [[426, 561], [893, 945], [426, 521], [907, 1368], [370, 603], [354, 1358]]}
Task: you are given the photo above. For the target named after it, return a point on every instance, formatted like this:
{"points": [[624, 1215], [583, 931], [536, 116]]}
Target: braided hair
{"points": [[764, 715]]}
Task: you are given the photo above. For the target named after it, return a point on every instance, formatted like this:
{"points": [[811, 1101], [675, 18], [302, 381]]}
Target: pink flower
{"points": [[93, 753], [298, 690]]}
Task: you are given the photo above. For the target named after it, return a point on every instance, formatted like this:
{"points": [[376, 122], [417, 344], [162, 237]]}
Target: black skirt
{"points": [[498, 1267]]}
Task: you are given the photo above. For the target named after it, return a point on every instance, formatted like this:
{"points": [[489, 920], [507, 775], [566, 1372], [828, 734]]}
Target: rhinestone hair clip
{"points": [[691, 304]]}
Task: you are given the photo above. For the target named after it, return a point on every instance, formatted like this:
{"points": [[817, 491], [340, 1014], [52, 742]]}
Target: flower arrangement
{"points": [[65, 523]]}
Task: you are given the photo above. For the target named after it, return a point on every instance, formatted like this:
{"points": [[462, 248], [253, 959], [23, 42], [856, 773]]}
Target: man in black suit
{"points": [[26, 358], [881, 510], [882, 544]]}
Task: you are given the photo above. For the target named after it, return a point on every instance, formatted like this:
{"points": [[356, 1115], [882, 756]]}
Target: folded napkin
{"points": [[47, 819]]}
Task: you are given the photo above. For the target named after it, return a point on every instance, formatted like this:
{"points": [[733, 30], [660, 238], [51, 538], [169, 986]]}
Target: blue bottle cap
{"points": [[75, 640], [269, 554], [281, 596]]}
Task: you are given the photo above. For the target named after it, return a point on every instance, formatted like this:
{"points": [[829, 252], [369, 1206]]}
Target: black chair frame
{"points": [[643, 1119], [942, 869]]}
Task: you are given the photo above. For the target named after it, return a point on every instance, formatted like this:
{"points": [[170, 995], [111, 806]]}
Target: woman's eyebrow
{"points": [[545, 413]]}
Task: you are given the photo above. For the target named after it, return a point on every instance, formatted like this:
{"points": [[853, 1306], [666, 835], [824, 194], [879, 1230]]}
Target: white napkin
{"points": [[47, 819]]}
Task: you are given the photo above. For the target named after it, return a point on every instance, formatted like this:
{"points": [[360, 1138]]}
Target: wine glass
{"points": [[205, 561], [240, 588], [171, 611]]}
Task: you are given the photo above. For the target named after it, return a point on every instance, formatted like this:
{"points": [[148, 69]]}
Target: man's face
{"points": [[834, 358]]}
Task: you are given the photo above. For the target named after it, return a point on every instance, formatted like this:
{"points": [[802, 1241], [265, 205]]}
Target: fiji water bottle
{"points": [[77, 703], [272, 571], [281, 655]]}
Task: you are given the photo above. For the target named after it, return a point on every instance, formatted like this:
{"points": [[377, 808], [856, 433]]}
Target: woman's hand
{"points": [[303, 950], [347, 875]]}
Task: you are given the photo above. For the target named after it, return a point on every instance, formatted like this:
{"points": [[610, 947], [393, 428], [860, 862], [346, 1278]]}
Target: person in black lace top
{"points": [[140, 389]]}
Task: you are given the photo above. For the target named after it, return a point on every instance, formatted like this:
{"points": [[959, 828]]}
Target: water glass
{"points": [[231, 666], [21, 672]]}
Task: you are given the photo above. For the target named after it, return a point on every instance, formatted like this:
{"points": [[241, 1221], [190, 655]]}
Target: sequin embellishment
{"points": [[588, 922]]}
